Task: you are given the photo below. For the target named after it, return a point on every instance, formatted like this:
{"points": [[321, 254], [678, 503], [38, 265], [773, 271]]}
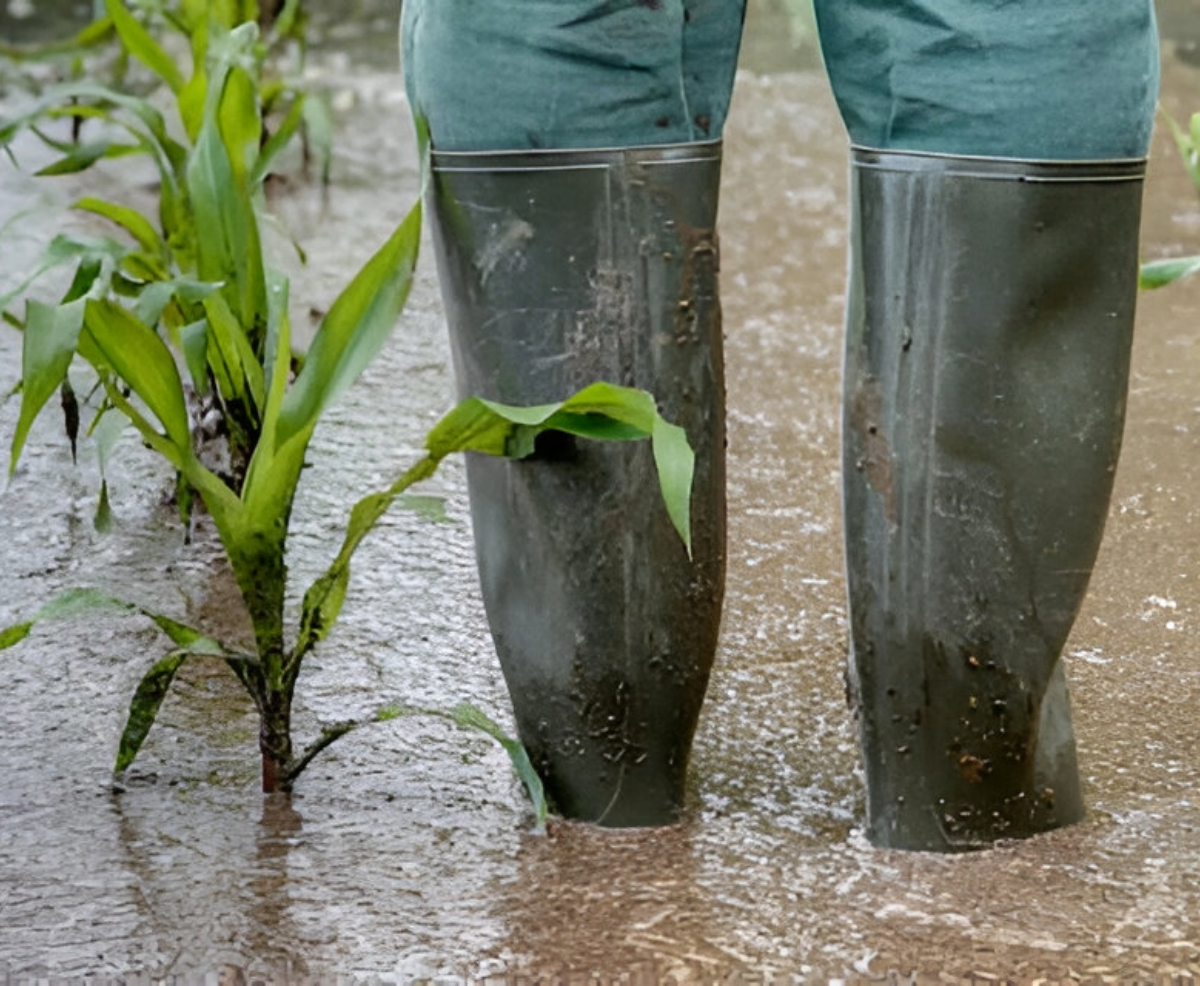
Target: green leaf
{"points": [[185, 637], [192, 98], [602, 410], [322, 605], [143, 710], [152, 300], [1159, 273], [83, 156], [230, 249], [86, 275], [132, 221], [194, 342], [64, 606], [240, 122], [676, 463], [142, 46], [354, 330], [103, 520], [105, 430], [47, 348], [141, 359], [287, 20], [467, 716], [62, 249], [13, 635], [227, 340], [154, 686]]}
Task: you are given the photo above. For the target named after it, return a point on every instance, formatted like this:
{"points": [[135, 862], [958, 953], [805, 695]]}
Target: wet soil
{"points": [[405, 853]]}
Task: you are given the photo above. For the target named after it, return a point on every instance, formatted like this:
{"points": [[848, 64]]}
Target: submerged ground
{"points": [[406, 852]]}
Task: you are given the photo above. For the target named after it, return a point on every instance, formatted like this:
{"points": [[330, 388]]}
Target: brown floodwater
{"points": [[406, 853]]}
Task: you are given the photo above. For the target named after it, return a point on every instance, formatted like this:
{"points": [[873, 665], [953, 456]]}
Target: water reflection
{"points": [[649, 916]]}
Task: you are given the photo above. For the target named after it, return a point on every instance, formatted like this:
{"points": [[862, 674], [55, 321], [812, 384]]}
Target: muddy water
{"points": [[405, 853]]}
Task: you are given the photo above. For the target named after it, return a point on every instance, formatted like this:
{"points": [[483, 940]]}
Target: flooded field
{"points": [[406, 854]]}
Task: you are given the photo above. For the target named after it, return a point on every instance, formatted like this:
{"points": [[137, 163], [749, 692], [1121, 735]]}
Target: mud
{"points": [[405, 853]]}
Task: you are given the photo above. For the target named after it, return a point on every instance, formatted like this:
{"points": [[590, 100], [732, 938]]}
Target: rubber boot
{"points": [[987, 358], [559, 269]]}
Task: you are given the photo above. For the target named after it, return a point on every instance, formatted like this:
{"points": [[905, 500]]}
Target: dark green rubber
{"points": [[559, 269], [990, 320]]}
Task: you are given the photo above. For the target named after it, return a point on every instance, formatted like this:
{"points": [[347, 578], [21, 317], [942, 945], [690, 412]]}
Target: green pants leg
{"points": [[576, 162], [997, 173]]}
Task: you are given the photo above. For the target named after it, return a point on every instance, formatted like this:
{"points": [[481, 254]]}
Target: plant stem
{"points": [[275, 737]]}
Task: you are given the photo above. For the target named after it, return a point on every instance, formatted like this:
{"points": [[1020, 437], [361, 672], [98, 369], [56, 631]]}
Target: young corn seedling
{"points": [[188, 287], [239, 342]]}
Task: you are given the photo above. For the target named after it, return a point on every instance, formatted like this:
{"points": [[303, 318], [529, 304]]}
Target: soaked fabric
{"points": [[1010, 78], [570, 73]]}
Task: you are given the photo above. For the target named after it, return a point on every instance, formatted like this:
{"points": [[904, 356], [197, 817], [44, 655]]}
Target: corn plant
{"points": [[229, 328], [281, 22], [1159, 273], [186, 285]]}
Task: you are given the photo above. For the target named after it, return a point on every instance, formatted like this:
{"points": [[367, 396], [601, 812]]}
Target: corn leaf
{"points": [[287, 19], [83, 156], [239, 119], [143, 709], [47, 348], [354, 330], [467, 716], [132, 221], [155, 684], [61, 250], [1159, 273], [105, 431], [141, 359], [676, 465], [230, 353], [138, 42], [193, 341], [230, 249], [153, 298], [64, 606], [600, 411], [56, 101]]}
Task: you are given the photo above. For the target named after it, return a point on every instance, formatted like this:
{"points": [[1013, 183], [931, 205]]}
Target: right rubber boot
{"points": [[990, 320]]}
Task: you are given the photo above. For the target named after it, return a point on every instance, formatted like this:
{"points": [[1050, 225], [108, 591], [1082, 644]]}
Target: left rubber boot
{"points": [[560, 269], [990, 320]]}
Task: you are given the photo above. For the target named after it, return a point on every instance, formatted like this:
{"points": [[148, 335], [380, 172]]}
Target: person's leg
{"points": [[570, 73], [576, 164], [993, 276], [1071, 80]]}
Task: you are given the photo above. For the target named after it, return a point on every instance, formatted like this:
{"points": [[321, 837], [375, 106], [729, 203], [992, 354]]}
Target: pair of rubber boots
{"points": [[990, 315]]}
